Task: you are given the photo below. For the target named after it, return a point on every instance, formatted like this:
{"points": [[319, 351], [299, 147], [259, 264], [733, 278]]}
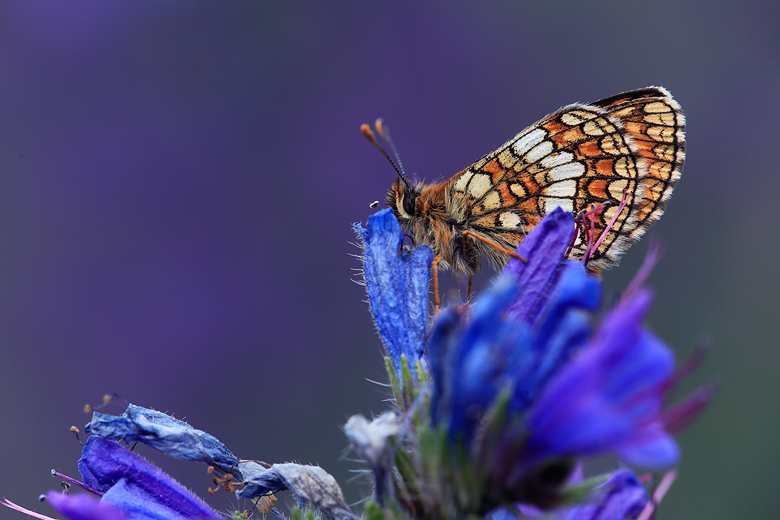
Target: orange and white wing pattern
{"points": [[632, 143]]}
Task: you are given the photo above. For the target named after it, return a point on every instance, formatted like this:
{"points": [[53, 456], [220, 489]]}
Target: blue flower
{"points": [[163, 433], [497, 404], [520, 385], [398, 286], [517, 334]]}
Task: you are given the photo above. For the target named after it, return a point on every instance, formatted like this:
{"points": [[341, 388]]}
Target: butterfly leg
{"points": [[468, 291], [434, 270], [493, 244]]}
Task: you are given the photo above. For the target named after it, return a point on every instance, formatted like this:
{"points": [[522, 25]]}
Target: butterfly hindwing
{"points": [[632, 143]]}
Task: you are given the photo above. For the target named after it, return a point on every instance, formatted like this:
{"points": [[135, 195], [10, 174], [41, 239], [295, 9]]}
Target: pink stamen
{"points": [[590, 234], [9, 504], [71, 480], [689, 365], [623, 202], [658, 495], [654, 252], [577, 223], [682, 415], [594, 210]]}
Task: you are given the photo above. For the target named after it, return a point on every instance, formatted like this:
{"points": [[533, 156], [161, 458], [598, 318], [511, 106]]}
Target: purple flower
{"points": [[130, 488], [133, 489], [610, 397], [85, 507]]}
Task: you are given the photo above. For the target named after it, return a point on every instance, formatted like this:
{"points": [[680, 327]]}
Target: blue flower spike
{"points": [[522, 385]]}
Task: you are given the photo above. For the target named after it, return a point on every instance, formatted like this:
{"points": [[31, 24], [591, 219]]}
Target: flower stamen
{"points": [[663, 486], [590, 234]]}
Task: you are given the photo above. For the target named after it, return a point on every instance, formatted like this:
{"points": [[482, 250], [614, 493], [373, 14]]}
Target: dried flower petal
{"points": [[310, 484]]}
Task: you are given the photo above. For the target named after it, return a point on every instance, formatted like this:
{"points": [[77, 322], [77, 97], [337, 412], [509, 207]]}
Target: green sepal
{"points": [[297, 514], [394, 382], [422, 375], [373, 511], [408, 387], [579, 492]]}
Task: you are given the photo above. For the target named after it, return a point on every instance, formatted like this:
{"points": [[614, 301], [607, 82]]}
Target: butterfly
{"points": [[616, 159]]}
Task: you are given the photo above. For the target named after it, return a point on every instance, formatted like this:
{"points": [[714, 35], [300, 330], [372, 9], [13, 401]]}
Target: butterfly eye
{"points": [[410, 204]]}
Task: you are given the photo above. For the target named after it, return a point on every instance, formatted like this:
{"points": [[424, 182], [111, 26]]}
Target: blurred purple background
{"points": [[178, 181]]}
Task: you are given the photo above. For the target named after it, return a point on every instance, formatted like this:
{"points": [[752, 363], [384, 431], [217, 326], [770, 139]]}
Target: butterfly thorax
{"points": [[426, 213]]}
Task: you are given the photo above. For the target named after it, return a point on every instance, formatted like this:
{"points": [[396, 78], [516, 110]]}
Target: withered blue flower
{"points": [[249, 479]]}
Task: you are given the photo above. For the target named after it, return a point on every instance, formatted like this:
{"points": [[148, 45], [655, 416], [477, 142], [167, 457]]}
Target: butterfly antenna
{"points": [[382, 130], [369, 134]]}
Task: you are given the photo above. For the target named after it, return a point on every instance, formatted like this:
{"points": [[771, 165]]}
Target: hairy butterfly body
{"points": [[625, 153]]}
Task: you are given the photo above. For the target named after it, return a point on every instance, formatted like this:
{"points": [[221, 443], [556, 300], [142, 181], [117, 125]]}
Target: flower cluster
{"points": [[497, 404], [503, 398]]}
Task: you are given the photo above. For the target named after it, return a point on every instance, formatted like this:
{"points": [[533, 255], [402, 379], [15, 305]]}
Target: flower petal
{"points": [[544, 248], [164, 433], [562, 327], [308, 483], [609, 397], [373, 443], [83, 507], [622, 496]]}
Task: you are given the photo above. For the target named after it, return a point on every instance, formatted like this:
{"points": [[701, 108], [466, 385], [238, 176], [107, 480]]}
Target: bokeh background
{"points": [[178, 182]]}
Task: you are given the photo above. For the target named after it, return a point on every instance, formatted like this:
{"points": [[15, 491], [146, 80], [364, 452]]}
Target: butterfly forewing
{"points": [[630, 145]]}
